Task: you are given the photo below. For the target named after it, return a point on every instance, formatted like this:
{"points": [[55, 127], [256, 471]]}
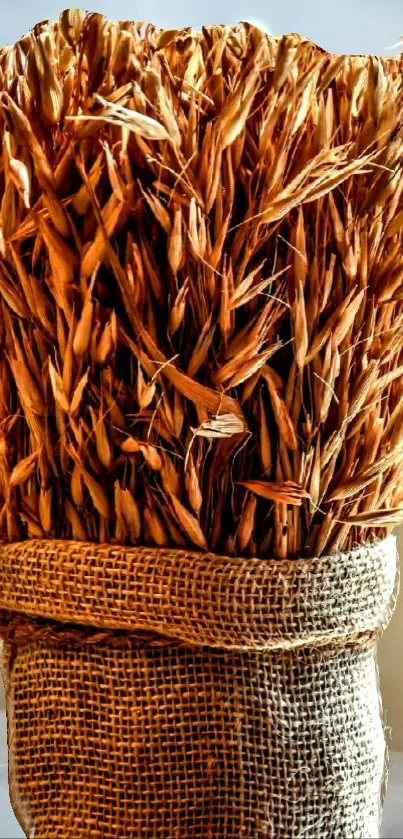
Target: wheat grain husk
{"points": [[201, 239]]}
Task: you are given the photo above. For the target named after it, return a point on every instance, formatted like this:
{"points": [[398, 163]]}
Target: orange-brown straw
{"points": [[201, 290]]}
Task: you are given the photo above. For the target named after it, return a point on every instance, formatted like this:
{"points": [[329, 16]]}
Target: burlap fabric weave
{"points": [[171, 695]]}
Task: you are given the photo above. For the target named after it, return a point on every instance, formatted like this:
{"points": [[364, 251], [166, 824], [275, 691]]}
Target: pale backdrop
{"points": [[361, 26]]}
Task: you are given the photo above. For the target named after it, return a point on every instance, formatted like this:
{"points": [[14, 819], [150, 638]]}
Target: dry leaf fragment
{"points": [[77, 527], [285, 493], [301, 340], [151, 455], [237, 107], [78, 393], [246, 525], [76, 485], [82, 334], [361, 479], [103, 445], [131, 514], [45, 509], [20, 175], [281, 414], [188, 523], [97, 493], [392, 516], [338, 324], [223, 425], [135, 121], [58, 388], [193, 487], [23, 470], [177, 312], [145, 392], [62, 258], [249, 368], [175, 243]]}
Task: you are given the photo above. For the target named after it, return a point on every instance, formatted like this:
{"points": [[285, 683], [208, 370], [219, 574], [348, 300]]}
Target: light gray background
{"points": [[342, 26], [347, 26]]}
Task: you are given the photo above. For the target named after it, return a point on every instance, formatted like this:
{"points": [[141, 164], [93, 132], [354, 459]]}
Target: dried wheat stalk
{"points": [[201, 289]]}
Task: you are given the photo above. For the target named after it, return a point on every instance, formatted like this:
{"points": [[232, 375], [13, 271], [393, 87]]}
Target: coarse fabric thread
{"points": [[252, 710]]}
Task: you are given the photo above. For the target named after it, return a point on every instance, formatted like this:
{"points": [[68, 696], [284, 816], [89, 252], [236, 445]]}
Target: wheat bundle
{"points": [[201, 289]]}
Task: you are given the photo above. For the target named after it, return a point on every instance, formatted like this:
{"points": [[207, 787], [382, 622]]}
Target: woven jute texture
{"points": [[179, 695]]}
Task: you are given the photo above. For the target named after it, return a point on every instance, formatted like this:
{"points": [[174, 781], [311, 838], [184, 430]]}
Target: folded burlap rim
{"points": [[64, 590]]}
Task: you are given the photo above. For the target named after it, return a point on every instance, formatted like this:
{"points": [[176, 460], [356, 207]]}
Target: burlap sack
{"points": [[171, 695]]}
